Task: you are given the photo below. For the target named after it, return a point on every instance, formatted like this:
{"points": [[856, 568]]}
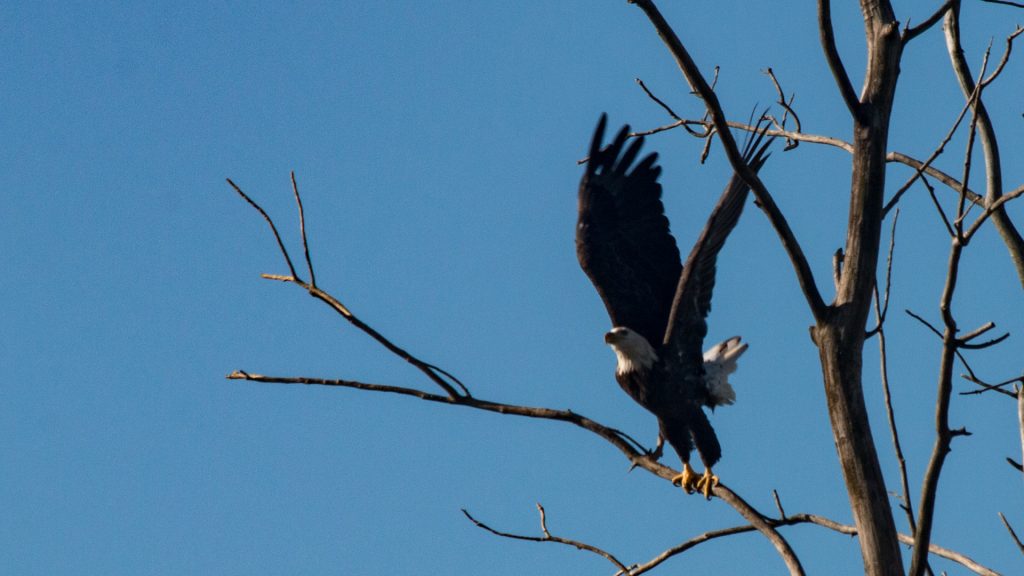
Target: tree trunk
{"points": [[840, 333]]}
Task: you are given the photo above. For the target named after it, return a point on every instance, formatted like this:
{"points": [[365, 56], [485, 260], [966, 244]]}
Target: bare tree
{"points": [[841, 326]]}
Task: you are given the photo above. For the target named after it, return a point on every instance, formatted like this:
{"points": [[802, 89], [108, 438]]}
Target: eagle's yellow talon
{"points": [[688, 480], [706, 483]]}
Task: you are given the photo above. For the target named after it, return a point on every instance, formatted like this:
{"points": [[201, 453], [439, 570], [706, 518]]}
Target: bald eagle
{"points": [[658, 306]]}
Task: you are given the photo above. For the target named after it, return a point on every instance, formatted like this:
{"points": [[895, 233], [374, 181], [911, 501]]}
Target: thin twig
{"points": [[880, 314], [835, 62], [657, 100], [938, 207], [273, 228], [778, 504], [925, 322], [787, 106], [991, 209], [987, 387], [1006, 57], [302, 230], [424, 367], [1016, 540], [961, 213], [935, 154], [628, 446], [982, 345], [1008, 232], [911, 33], [986, 327], [1005, 3], [547, 537], [882, 299], [428, 369]]}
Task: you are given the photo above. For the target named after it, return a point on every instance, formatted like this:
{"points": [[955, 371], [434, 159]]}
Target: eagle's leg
{"points": [[688, 480], [658, 448], [706, 483]]}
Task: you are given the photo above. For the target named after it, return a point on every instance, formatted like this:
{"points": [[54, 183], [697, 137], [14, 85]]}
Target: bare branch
{"points": [[700, 86], [426, 368], [993, 167], [983, 345], [961, 213], [882, 300], [1006, 57], [938, 207], [787, 106], [797, 519], [950, 182], [628, 446], [433, 373], [911, 33], [987, 387], [763, 525], [623, 442], [1005, 3], [547, 537], [638, 569], [977, 332], [925, 322], [657, 100], [835, 63], [943, 434], [880, 314], [302, 230], [778, 504], [273, 228], [1016, 540], [905, 539], [935, 154], [993, 208]]}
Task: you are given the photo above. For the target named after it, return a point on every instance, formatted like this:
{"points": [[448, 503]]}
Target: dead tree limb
{"points": [[782, 521], [636, 454], [547, 537], [993, 164]]}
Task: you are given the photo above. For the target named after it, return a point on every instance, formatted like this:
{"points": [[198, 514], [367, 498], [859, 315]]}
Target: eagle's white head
{"points": [[633, 351]]}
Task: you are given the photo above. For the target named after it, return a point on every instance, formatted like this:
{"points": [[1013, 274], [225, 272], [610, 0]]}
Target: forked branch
{"points": [[437, 375], [636, 454], [548, 537], [993, 162], [782, 521], [704, 91]]}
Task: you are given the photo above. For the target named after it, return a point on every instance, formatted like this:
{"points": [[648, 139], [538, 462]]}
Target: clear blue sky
{"points": [[436, 146]]}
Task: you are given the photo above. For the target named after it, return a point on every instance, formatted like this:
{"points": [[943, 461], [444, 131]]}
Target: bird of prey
{"points": [[658, 306]]}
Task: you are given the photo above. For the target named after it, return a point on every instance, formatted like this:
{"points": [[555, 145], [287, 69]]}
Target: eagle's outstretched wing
{"points": [[683, 355], [623, 240], [692, 301]]}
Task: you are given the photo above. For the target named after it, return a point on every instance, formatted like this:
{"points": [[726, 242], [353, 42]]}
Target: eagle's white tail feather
{"points": [[720, 361]]}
